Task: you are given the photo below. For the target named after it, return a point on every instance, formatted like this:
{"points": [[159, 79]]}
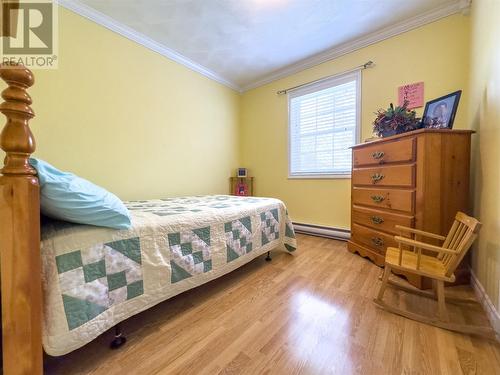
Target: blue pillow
{"points": [[64, 196]]}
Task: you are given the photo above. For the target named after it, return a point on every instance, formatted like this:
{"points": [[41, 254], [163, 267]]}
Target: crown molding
{"points": [[448, 9], [113, 25], [453, 7]]}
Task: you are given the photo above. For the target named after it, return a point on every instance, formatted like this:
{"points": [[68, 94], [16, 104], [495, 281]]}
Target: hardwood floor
{"points": [[310, 313]]}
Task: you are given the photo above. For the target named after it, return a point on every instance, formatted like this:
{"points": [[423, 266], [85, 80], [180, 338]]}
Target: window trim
{"points": [[317, 87]]}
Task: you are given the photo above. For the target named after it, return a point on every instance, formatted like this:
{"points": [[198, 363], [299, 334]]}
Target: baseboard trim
{"points": [[484, 299], [322, 231]]}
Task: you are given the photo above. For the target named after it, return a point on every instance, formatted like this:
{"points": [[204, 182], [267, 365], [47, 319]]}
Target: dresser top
{"points": [[415, 133]]}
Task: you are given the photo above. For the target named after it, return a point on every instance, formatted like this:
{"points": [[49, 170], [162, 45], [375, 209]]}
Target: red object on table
{"points": [[241, 189]]}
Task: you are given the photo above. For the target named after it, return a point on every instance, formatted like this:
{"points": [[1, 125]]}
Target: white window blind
{"points": [[323, 125]]}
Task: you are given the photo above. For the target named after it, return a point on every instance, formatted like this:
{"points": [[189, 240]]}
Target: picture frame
{"points": [[440, 113], [242, 172]]}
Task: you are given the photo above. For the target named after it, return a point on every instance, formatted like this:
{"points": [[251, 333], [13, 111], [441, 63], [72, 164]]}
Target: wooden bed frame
{"points": [[21, 285]]}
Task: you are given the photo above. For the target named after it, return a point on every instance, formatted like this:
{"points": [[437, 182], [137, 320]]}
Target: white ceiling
{"points": [[247, 42]]}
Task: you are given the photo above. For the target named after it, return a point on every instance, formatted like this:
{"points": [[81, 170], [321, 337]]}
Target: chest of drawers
{"points": [[418, 179]]}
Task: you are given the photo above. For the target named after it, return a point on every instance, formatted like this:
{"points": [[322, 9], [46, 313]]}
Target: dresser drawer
{"points": [[396, 175], [381, 220], [373, 239], [391, 152], [396, 199]]}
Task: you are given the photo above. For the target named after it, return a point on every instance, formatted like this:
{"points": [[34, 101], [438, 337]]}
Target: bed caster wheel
{"points": [[118, 342], [268, 258], [119, 339]]}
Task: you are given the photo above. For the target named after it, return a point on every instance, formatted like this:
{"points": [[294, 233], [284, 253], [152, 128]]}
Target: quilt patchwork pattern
{"points": [[238, 237], [290, 234], [95, 278], [191, 205], [270, 226], [190, 253]]}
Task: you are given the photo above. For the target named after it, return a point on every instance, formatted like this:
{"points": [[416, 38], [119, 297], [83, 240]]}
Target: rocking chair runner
{"points": [[440, 267]]}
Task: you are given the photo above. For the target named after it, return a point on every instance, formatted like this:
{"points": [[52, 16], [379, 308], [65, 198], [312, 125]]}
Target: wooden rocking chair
{"points": [[440, 267]]}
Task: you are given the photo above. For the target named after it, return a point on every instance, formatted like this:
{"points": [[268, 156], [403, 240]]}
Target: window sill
{"points": [[319, 177]]}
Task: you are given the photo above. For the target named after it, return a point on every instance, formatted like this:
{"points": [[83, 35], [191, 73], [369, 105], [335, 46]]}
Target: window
{"points": [[323, 124]]}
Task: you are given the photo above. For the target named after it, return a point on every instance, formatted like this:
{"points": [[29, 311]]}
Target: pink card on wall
{"points": [[413, 93]]}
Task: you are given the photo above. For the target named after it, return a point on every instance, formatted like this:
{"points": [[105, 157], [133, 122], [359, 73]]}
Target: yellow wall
{"points": [[437, 54], [144, 126], [132, 120], [485, 119]]}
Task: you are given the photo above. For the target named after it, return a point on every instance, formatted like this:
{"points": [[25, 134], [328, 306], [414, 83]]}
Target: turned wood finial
{"points": [[16, 138]]}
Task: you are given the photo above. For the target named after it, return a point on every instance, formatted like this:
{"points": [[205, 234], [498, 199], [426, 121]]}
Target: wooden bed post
{"points": [[19, 231]]}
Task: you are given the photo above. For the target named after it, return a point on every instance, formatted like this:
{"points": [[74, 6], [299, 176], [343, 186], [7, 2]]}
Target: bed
{"points": [[92, 277]]}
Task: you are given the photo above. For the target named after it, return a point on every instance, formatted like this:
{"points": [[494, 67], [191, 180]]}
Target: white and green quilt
{"points": [[93, 278]]}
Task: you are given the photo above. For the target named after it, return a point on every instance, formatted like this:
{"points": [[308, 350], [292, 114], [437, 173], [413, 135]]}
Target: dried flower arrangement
{"points": [[395, 120]]}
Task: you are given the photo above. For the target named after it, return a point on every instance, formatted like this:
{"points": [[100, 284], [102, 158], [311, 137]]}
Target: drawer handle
{"points": [[378, 155], [377, 177], [377, 220], [377, 241], [377, 198]]}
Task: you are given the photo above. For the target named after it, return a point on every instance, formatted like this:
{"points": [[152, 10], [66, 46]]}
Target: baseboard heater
{"points": [[322, 231]]}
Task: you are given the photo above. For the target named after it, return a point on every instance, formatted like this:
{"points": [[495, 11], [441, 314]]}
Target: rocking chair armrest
{"points": [[420, 232], [423, 245]]}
